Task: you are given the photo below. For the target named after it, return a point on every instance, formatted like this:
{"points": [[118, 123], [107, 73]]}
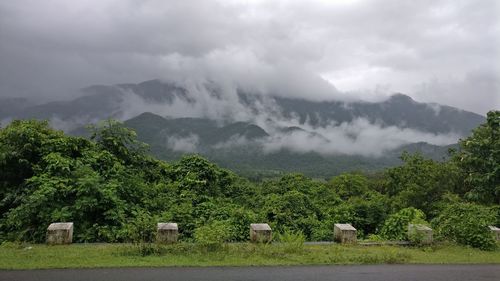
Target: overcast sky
{"points": [[435, 51]]}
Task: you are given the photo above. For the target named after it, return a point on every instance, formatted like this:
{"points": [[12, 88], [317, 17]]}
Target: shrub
{"points": [[211, 237], [374, 238], [140, 232], [396, 226], [292, 241], [239, 222], [466, 224], [323, 231]]}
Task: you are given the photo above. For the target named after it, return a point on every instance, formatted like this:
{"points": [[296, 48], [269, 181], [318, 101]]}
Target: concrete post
{"points": [[421, 232], [496, 232], [167, 233], [60, 233], [260, 232], [344, 233]]}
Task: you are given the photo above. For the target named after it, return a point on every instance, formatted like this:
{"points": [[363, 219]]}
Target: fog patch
{"points": [[234, 142], [133, 105], [189, 143], [5, 122], [359, 137], [68, 125], [435, 107]]}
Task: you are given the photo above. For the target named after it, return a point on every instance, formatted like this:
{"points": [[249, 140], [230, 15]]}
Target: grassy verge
{"points": [[14, 256]]}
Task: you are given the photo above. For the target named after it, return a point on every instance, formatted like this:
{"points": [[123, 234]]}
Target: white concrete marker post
{"points": [[420, 232], [496, 231], [167, 233], [344, 233], [60, 233], [260, 232]]}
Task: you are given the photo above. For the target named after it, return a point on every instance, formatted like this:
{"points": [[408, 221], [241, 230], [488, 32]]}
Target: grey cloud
{"points": [[359, 137], [48, 49], [479, 90]]}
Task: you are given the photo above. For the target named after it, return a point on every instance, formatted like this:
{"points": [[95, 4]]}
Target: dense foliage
{"points": [[396, 225], [113, 190], [480, 161], [467, 224]]}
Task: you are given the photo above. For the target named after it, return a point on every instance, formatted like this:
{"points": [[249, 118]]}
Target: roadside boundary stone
{"points": [[59, 233], [260, 232], [423, 232], [167, 233], [344, 233]]}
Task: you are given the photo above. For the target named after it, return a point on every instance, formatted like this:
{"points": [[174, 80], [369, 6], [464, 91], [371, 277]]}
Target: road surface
{"points": [[295, 273]]}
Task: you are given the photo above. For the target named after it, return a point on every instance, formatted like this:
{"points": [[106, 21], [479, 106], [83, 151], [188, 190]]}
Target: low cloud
{"points": [[478, 89], [235, 142], [183, 144], [207, 99], [315, 49], [359, 137]]}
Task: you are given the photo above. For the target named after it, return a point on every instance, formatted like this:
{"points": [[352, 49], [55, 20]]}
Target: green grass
{"points": [[24, 256]]}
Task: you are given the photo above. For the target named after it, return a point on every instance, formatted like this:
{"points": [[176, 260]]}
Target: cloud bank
{"points": [[359, 137], [443, 51]]}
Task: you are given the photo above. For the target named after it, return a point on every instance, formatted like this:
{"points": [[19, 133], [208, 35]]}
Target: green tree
{"points": [[348, 185], [467, 224], [119, 140], [420, 183], [64, 178], [479, 158], [292, 210]]}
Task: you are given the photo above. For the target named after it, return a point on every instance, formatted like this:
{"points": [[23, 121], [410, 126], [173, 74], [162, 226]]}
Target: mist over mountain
{"points": [[294, 85], [209, 100], [243, 129], [246, 148]]}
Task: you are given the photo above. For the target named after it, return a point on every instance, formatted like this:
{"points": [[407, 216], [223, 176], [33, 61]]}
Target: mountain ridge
{"points": [[255, 132], [101, 102]]}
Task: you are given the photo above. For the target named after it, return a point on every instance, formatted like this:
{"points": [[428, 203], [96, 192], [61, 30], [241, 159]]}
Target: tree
{"points": [[396, 225], [467, 224], [348, 185], [479, 158], [292, 210], [119, 140], [420, 182]]}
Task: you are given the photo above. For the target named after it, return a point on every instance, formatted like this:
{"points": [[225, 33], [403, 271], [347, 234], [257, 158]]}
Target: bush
{"points": [[141, 232], [323, 231], [467, 224], [212, 236], [292, 241], [396, 226], [239, 224]]}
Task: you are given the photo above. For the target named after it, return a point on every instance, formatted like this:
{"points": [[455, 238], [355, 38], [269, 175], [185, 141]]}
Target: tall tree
{"points": [[479, 158]]}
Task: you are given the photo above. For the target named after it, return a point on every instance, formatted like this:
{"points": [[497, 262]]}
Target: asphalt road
{"points": [[302, 273]]}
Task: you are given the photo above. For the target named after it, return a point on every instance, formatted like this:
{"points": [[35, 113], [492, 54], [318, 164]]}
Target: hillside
{"points": [[248, 157], [261, 133]]}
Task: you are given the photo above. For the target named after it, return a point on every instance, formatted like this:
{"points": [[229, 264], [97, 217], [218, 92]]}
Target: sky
{"points": [[440, 51]]}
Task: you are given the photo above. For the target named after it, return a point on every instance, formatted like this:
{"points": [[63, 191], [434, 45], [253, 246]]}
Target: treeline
{"points": [[114, 191]]}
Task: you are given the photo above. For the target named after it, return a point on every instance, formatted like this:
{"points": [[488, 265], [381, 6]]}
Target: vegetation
{"points": [[16, 256], [479, 160], [467, 224], [114, 191], [396, 226]]}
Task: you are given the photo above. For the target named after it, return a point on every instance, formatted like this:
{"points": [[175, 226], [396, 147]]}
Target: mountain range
{"points": [[260, 134]]}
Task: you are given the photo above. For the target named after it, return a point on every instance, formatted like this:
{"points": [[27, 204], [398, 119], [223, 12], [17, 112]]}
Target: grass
{"points": [[24, 256]]}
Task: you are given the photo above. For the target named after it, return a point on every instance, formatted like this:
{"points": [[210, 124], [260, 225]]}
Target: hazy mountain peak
{"points": [[399, 97]]}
